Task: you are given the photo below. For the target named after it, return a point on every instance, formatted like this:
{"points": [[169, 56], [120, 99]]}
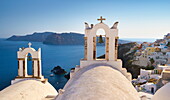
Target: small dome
{"points": [[98, 83], [162, 93], [28, 90]]}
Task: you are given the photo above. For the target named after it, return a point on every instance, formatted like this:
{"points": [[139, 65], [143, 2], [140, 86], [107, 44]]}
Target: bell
{"points": [[100, 40], [29, 58]]}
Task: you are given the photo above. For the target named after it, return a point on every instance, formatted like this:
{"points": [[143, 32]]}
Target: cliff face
{"points": [[55, 38], [65, 39], [127, 59]]}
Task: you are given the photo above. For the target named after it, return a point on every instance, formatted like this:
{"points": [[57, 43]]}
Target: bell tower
{"points": [[111, 49], [23, 59], [111, 44]]}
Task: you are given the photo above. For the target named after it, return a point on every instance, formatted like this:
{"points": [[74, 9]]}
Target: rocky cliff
{"points": [[127, 59], [65, 39]]}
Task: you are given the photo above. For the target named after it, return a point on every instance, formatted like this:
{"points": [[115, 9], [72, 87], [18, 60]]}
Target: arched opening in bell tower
{"points": [[100, 44], [29, 64]]}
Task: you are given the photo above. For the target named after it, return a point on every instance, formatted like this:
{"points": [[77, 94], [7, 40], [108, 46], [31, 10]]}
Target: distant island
{"points": [[55, 38], [35, 37]]}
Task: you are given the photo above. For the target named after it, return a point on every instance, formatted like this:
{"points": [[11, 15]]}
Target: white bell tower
{"points": [[111, 49], [22, 55], [111, 45]]}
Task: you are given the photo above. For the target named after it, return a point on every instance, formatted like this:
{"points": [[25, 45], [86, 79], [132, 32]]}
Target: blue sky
{"points": [[137, 18]]}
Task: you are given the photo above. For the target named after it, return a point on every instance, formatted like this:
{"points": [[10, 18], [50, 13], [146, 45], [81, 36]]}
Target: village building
{"points": [[149, 50], [152, 80], [141, 60]]}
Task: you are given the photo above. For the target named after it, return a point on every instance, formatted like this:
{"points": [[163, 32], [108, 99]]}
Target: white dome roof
{"points": [[98, 83], [28, 90], [162, 93]]}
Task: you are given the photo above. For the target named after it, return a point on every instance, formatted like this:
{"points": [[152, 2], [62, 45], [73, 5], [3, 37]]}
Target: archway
{"points": [[100, 44], [103, 31], [29, 64]]}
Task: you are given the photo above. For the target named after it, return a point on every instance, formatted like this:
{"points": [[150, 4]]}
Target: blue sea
{"points": [[66, 56]]}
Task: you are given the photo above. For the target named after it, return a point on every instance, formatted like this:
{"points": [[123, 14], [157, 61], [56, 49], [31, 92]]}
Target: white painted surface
{"points": [[98, 83], [32, 51], [22, 54], [145, 73], [35, 68], [111, 33], [145, 96], [28, 90], [17, 80], [116, 64], [20, 73], [162, 93]]}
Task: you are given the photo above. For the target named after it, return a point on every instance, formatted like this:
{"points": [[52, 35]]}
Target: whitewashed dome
{"points": [[28, 90], [98, 83], [162, 93]]}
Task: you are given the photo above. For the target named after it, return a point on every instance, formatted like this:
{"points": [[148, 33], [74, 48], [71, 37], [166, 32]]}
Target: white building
{"points": [[145, 73], [149, 87], [141, 61]]}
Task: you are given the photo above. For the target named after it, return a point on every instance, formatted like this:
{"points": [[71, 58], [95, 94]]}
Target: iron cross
{"points": [[101, 19]]}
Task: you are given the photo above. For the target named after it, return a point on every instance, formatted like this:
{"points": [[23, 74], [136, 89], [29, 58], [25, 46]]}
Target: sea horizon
{"points": [[140, 39], [128, 39]]}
